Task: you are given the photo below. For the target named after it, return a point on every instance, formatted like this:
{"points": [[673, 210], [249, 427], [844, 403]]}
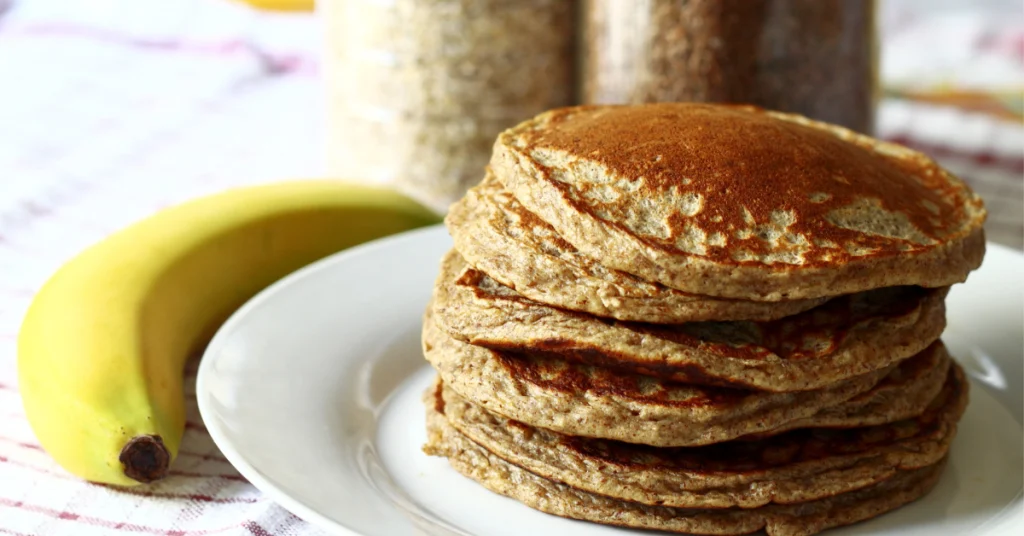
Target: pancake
{"points": [[576, 399], [495, 234], [904, 393], [798, 466], [737, 202], [802, 519], [846, 337]]}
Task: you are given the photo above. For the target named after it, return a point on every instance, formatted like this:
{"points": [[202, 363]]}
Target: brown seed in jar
{"points": [[813, 57]]}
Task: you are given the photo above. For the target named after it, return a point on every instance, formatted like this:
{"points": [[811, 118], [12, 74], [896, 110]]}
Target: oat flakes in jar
{"points": [[417, 90], [813, 57]]}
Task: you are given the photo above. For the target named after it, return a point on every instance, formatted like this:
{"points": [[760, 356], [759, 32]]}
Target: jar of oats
{"points": [[813, 57], [417, 90]]}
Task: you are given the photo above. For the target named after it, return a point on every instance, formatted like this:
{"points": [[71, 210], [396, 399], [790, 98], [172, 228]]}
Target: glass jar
{"points": [[417, 90], [813, 57]]}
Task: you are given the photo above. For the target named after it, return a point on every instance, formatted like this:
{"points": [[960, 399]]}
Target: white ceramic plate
{"points": [[312, 390]]}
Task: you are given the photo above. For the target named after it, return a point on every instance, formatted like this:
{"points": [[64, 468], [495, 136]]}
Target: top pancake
{"points": [[737, 202]]}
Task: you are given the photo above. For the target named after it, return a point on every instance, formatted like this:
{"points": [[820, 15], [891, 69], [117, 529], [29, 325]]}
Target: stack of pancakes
{"points": [[700, 318]]}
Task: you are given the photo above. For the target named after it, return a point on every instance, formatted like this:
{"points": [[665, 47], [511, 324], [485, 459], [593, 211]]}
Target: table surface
{"points": [[98, 128]]}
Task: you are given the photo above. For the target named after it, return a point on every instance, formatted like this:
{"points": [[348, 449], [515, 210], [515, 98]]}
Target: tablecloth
{"points": [[112, 110]]}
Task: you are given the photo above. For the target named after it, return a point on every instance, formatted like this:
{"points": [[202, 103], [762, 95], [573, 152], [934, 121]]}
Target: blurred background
{"points": [[112, 109]]}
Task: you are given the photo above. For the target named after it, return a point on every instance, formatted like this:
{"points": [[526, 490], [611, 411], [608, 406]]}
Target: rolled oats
{"points": [[419, 89]]}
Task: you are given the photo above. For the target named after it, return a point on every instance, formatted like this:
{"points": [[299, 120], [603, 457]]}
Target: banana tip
{"points": [[145, 458]]}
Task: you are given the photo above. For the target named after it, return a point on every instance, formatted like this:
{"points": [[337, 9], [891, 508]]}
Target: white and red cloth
{"points": [[111, 110]]}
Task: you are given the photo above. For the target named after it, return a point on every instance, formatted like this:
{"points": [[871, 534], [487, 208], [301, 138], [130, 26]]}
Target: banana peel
{"points": [[282, 5], [102, 348]]}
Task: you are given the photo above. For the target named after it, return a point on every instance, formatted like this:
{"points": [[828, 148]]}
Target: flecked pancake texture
{"points": [[737, 202], [497, 235], [575, 399], [793, 467], [843, 338], [802, 519]]}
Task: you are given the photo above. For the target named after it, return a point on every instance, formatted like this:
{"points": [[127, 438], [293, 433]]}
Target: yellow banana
{"points": [[282, 5], [102, 348]]}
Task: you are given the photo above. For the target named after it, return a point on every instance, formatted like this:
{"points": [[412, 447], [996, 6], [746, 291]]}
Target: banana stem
{"points": [[145, 458]]}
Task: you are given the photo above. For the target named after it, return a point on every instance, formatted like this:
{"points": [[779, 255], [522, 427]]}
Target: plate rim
{"points": [[203, 400]]}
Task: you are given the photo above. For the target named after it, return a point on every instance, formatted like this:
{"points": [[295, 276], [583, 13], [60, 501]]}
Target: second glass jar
{"points": [[813, 57]]}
